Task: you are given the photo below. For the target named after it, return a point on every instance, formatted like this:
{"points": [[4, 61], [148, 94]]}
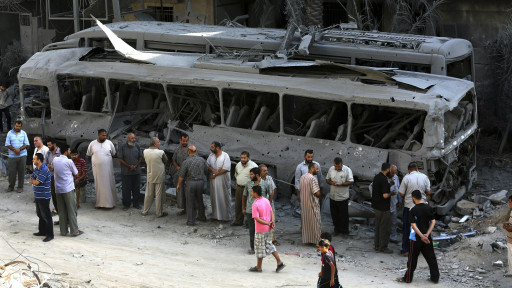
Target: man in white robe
{"points": [[102, 151], [219, 166]]}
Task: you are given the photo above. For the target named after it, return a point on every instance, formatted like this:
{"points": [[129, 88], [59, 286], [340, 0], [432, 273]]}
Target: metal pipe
{"points": [[117, 10], [76, 15]]}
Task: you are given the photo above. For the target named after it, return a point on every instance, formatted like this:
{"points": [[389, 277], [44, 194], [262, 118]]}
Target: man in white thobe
{"points": [[219, 166], [102, 151]]}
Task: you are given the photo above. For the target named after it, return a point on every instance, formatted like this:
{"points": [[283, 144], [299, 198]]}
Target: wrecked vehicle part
{"points": [[274, 112]]}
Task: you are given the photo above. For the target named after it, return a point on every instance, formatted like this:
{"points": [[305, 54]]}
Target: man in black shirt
{"points": [[381, 204], [422, 222]]}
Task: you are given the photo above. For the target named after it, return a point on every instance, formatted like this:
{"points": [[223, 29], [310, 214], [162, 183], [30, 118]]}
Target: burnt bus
{"points": [[273, 108]]}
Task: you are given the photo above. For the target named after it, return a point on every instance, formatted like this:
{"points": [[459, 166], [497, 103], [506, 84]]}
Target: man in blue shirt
{"points": [[17, 143], [41, 181]]}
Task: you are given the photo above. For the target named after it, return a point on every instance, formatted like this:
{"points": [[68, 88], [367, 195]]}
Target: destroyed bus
{"points": [[436, 55], [276, 109]]}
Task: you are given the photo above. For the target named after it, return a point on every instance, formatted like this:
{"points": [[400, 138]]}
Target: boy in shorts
{"points": [[264, 223]]}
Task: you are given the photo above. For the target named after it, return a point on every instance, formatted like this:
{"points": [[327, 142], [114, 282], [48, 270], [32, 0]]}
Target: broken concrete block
{"points": [[490, 230], [477, 213], [465, 207], [481, 271], [499, 198], [487, 248], [498, 263]]}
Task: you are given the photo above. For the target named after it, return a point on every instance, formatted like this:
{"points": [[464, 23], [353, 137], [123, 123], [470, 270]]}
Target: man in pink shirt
{"points": [[264, 223]]}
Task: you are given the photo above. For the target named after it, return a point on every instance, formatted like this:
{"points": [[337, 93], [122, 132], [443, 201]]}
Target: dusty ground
{"points": [[124, 249]]}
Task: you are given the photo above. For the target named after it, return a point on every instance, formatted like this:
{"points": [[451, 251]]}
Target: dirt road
{"points": [[124, 249]]}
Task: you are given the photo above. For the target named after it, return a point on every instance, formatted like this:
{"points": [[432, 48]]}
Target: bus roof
{"points": [[412, 90], [268, 39]]}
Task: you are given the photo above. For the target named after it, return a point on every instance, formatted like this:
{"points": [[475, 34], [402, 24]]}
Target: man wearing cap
{"points": [[5, 105]]}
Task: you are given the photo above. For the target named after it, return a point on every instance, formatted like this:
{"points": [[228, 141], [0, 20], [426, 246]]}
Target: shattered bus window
{"points": [[387, 127], [83, 93], [459, 118], [36, 101], [251, 109], [315, 118], [139, 105], [195, 105]]}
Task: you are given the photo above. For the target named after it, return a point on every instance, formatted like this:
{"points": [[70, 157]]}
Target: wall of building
{"points": [[480, 22]]}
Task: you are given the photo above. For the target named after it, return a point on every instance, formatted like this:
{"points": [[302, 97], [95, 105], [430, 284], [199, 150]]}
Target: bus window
{"points": [[387, 127], [251, 109], [137, 96], [36, 100], [312, 117], [106, 44], [459, 118], [83, 93], [460, 69], [195, 105], [414, 67]]}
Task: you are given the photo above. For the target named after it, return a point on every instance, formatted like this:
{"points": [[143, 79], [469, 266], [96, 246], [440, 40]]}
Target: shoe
{"points": [[48, 239], [250, 252], [137, 207], [55, 223], [430, 279], [126, 208], [38, 234], [393, 241], [163, 215], [80, 232], [236, 224], [190, 224], [202, 219], [386, 251], [276, 243], [254, 269], [280, 267], [405, 254], [144, 214], [19, 190], [9, 189], [182, 212]]}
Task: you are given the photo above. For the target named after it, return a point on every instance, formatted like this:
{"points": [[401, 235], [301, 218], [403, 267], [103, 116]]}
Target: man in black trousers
{"points": [[381, 204], [422, 222]]}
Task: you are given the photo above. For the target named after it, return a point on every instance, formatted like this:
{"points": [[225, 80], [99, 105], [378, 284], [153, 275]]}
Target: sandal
{"points": [[80, 232], [254, 269], [276, 243]]}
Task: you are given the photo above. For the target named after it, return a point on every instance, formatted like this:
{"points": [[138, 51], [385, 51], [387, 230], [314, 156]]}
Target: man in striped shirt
{"points": [[41, 181], [310, 206], [17, 143]]}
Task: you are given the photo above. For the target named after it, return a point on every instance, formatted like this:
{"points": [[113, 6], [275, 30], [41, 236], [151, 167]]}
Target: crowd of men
{"points": [[60, 174]]}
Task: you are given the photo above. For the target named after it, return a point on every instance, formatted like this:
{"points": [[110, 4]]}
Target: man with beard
{"points": [[381, 204], [130, 156], [39, 147], [101, 152], [340, 178], [302, 169], [310, 206], [247, 199], [179, 155], [17, 143], [219, 166], [53, 152], [242, 170], [193, 171]]}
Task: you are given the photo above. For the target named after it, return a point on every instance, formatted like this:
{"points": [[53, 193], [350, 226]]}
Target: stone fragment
{"points": [[490, 230], [499, 198], [487, 248], [465, 207], [481, 271], [498, 263]]}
